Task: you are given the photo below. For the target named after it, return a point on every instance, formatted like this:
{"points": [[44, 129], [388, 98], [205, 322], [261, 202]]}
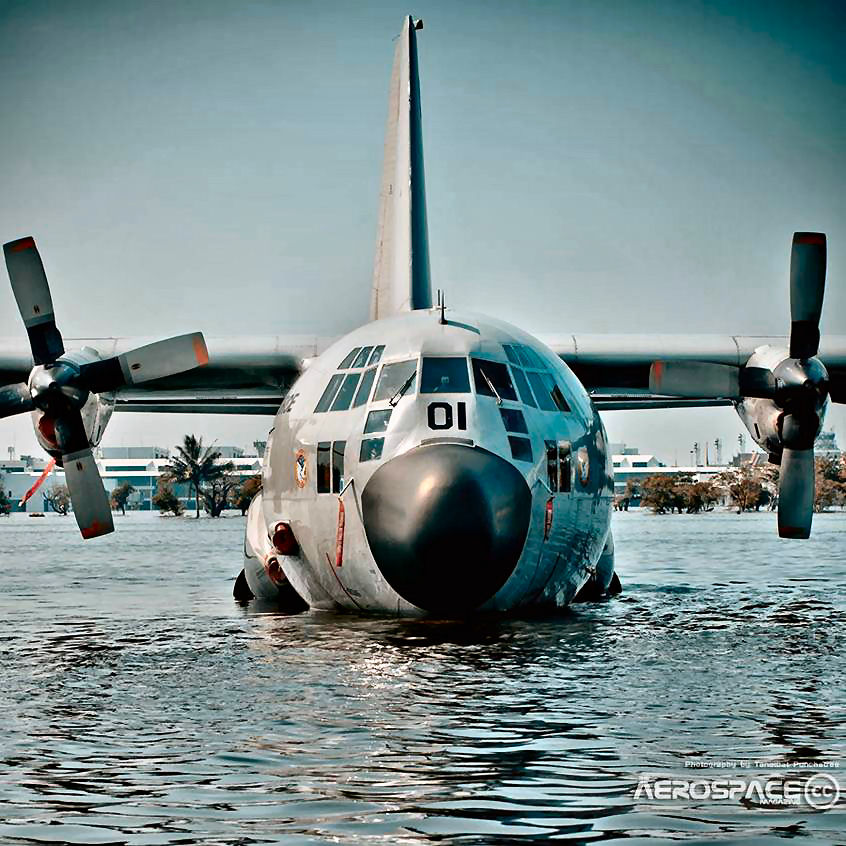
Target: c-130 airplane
{"points": [[429, 462]]}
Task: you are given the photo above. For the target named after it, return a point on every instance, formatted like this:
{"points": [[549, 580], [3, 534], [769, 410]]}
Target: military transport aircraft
{"points": [[428, 462]]}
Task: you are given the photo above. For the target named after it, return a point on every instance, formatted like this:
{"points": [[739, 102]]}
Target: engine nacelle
{"points": [[96, 409], [770, 421]]}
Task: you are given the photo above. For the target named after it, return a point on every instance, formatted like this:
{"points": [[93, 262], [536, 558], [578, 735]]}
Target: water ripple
{"points": [[143, 706]]}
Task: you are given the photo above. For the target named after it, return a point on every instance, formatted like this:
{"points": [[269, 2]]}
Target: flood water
{"points": [[142, 705]]}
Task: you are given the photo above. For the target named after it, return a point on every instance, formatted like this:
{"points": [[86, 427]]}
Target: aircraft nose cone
{"points": [[446, 524]]}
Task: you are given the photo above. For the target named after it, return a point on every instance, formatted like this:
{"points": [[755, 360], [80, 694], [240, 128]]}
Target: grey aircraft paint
{"points": [[510, 460]]}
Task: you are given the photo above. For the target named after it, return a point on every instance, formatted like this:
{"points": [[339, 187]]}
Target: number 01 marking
{"points": [[440, 415]]}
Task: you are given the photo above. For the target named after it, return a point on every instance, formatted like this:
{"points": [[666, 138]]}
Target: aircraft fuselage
{"points": [[429, 467]]}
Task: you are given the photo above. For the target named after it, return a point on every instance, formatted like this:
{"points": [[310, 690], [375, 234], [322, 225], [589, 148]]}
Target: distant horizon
{"points": [[729, 452]]}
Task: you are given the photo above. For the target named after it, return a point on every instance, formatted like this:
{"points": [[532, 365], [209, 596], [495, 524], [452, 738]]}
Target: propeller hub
{"points": [[801, 384], [55, 387]]}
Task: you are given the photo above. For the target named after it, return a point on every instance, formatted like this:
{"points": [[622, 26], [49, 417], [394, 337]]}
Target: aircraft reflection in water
{"points": [[429, 461]]}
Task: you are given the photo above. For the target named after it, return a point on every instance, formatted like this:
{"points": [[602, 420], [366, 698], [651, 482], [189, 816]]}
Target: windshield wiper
{"points": [[405, 386], [490, 385]]}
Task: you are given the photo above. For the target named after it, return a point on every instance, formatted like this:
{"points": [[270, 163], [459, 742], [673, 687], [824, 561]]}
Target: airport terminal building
{"points": [[140, 466]]}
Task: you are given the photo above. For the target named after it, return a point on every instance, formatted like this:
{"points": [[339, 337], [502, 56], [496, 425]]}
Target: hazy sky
{"points": [[629, 166]]}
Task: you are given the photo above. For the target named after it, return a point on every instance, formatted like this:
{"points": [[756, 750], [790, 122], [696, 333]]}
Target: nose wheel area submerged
{"points": [[446, 524]]}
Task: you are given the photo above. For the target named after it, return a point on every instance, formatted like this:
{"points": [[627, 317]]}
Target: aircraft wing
{"points": [[252, 374], [244, 375], [615, 368]]}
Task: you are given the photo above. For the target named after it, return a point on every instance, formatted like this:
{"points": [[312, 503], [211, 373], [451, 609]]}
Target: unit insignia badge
{"points": [[302, 469], [583, 459]]}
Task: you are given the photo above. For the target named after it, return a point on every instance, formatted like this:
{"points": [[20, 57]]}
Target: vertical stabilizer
{"points": [[401, 270]]}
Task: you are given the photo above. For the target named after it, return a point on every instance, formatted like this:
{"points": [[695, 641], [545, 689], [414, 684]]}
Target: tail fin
{"points": [[401, 270]]}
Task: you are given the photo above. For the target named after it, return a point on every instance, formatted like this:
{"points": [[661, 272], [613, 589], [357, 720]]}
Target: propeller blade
{"points": [[796, 493], [694, 379], [15, 399], [154, 361], [807, 287], [90, 501], [70, 434], [29, 285]]}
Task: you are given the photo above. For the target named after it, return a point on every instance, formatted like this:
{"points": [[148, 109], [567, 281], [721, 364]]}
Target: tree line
{"points": [[214, 485], [746, 488]]}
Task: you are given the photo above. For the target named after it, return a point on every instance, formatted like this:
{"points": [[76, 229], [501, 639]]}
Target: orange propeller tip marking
{"points": [[657, 372], [95, 530], [201, 352], [22, 244], [810, 238]]}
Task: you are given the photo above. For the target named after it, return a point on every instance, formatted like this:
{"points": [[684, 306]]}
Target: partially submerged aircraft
{"points": [[428, 462]]}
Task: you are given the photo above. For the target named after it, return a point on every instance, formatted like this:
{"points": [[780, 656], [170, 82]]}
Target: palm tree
{"points": [[195, 464]]}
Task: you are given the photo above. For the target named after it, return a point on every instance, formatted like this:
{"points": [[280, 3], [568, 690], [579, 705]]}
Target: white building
{"points": [[630, 463], [140, 466]]}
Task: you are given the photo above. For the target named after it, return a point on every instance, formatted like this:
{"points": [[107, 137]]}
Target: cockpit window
{"points": [[559, 400], [324, 469], [345, 394], [338, 449], [491, 379], [524, 356], [341, 389], [511, 352], [376, 354], [523, 387], [444, 376], [542, 390], [371, 449], [361, 359], [513, 420], [548, 394], [532, 358], [558, 465], [521, 448], [394, 377], [329, 393], [347, 362], [363, 391], [377, 421]]}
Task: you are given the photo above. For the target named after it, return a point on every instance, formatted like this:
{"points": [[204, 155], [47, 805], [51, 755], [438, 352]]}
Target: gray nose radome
{"points": [[446, 524]]}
